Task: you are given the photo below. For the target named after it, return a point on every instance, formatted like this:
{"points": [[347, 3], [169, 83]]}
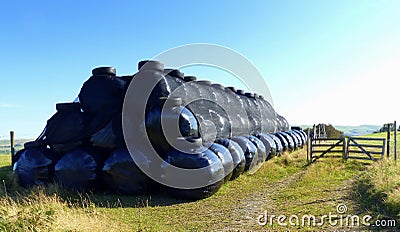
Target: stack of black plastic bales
{"points": [[83, 146]]}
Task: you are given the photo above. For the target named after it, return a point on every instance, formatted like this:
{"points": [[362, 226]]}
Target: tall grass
{"points": [[43, 209], [379, 189]]}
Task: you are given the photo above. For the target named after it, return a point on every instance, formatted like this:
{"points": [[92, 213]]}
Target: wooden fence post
{"points": [[12, 147], [395, 141], [311, 149], [388, 141], [344, 148], [308, 145]]}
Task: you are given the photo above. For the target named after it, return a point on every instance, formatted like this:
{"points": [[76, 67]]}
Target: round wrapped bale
{"points": [[123, 175], [194, 157], [250, 152], [226, 158], [78, 170], [33, 168], [238, 158]]}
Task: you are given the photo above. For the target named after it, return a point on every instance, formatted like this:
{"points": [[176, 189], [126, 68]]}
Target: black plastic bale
{"points": [[67, 126], [209, 111], [250, 152], [196, 157], [79, 170], [169, 111], [105, 138], [238, 158], [269, 144], [122, 174], [279, 146], [290, 140], [282, 141], [33, 168], [261, 149], [226, 159]]}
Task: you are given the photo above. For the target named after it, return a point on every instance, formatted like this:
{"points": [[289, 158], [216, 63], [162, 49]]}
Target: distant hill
{"points": [[353, 130], [5, 145], [358, 130]]}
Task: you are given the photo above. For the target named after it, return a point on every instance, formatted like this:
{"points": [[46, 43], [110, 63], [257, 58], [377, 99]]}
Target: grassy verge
{"points": [[319, 190], [284, 185], [379, 190], [53, 208]]}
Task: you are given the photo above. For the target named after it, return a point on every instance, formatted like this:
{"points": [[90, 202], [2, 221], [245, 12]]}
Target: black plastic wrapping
{"points": [[105, 138], [238, 158], [117, 131], [240, 124], [268, 116], [296, 138], [282, 123], [79, 170], [248, 114], [122, 174], [279, 146], [302, 135], [163, 88], [67, 126], [253, 112], [226, 159], [282, 141], [63, 148], [207, 104], [250, 152], [102, 94], [296, 142], [200, 159], [188, 126], [208, 111], [269, 144], [292, 141], [101, 99], [33, 168], [261, 149], [305, 135], [288, 139], [299, 137]]}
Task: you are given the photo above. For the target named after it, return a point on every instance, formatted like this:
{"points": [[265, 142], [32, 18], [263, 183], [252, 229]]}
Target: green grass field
{"points": [[285, 185], [5, 145]]}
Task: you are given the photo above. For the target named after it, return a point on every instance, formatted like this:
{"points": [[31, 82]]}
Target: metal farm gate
{"points": [[347, 148], [365, 148], [319, 147]]}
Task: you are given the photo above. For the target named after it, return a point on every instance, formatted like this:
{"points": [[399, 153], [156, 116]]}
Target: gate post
{"points": [[308, 145], [395, 141], [388, 141], [311, 149], [12, 147], [344, 148]]}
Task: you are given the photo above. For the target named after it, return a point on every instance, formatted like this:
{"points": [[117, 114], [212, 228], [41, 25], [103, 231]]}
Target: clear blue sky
{"points": [[312, 53]]}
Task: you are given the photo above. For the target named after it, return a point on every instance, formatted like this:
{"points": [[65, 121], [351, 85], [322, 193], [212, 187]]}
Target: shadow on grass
{"points": [[100, 198], [112, 200], [371, 202]]}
